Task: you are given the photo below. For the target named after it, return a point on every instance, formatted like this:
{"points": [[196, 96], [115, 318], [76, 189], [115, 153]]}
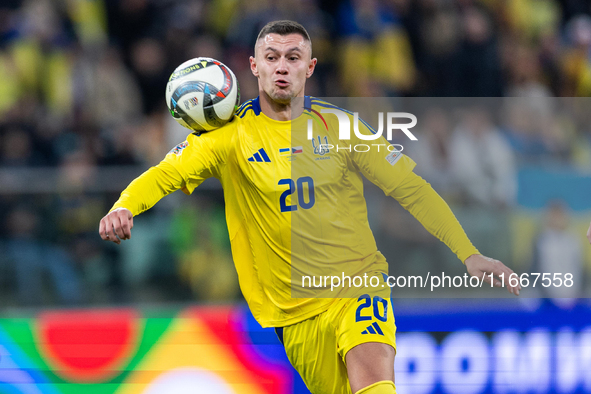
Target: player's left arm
{"points": [[422, 201], [589, 233], [392, 171]]}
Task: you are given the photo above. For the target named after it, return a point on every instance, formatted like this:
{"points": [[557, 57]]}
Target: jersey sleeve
{"points": [[378, 160], [185, 167], [418, 197], [392, 171]]}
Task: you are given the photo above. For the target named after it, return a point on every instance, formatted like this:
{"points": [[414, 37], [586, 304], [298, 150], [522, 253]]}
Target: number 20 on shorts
{"points": [[365, 301]]}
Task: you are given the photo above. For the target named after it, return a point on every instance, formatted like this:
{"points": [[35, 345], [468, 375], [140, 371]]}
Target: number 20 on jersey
{"points": [[306, 200]]}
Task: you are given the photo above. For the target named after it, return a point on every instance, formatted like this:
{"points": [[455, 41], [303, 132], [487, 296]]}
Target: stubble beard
{"points": [[282, 97]]}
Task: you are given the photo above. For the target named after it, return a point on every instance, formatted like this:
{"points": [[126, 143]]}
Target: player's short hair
{"points": [[283, 28]]}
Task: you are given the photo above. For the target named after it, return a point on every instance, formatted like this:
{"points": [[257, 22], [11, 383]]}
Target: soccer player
{"points": [[286, 202]]}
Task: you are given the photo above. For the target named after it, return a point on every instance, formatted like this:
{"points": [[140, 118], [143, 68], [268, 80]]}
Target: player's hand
{"points": [[479, 265], [589, 233], [116, 225]]}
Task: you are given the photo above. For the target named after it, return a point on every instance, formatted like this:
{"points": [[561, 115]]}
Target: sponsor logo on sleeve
{"points": [[393, 157], [179, 148]]}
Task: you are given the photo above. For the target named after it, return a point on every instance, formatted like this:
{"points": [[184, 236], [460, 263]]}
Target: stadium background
{"points": [[82, 113]]}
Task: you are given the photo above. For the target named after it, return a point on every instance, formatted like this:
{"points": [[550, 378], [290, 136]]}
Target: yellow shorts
{"points": [[316, 347]]}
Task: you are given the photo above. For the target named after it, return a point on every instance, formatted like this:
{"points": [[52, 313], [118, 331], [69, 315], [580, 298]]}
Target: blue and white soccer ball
{"points": [[202, 94]]}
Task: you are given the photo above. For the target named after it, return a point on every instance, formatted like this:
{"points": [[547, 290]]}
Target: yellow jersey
{"points": [[294, 204]]}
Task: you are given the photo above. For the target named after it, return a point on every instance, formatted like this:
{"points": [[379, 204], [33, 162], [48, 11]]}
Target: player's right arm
{"points": [[184, 167], [141, 194]]}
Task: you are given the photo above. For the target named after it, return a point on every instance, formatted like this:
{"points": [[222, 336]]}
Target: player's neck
{"points": [[278, 111]]}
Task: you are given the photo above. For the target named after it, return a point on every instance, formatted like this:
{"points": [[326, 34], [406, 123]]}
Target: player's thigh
{"points": [[367, 340], [311, 347]]}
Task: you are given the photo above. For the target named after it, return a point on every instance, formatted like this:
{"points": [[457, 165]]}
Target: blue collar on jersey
{"points": [[255, 105]]}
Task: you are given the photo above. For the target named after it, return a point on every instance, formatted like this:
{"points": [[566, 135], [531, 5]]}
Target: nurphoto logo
{"points": [[345, 130]]}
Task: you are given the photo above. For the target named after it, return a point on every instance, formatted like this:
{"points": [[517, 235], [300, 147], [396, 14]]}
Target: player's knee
{"points": [[382, 387], [370, 363]]}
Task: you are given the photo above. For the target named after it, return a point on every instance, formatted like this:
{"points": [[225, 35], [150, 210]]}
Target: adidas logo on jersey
{"points": [[374, 328], [260, 157]]}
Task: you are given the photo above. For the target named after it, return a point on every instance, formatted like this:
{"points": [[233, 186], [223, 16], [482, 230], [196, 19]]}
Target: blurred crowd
{"points": [[82, 89]]}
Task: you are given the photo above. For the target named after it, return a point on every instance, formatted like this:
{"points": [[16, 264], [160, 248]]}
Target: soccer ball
{"points": [[202, 94]]}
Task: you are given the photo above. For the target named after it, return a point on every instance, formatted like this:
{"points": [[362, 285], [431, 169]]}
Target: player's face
{"points": [[282, 64]]}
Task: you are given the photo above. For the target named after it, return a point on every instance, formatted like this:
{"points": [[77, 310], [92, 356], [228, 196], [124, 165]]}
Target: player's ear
{"points": [[253, 66], [311, 67]]}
